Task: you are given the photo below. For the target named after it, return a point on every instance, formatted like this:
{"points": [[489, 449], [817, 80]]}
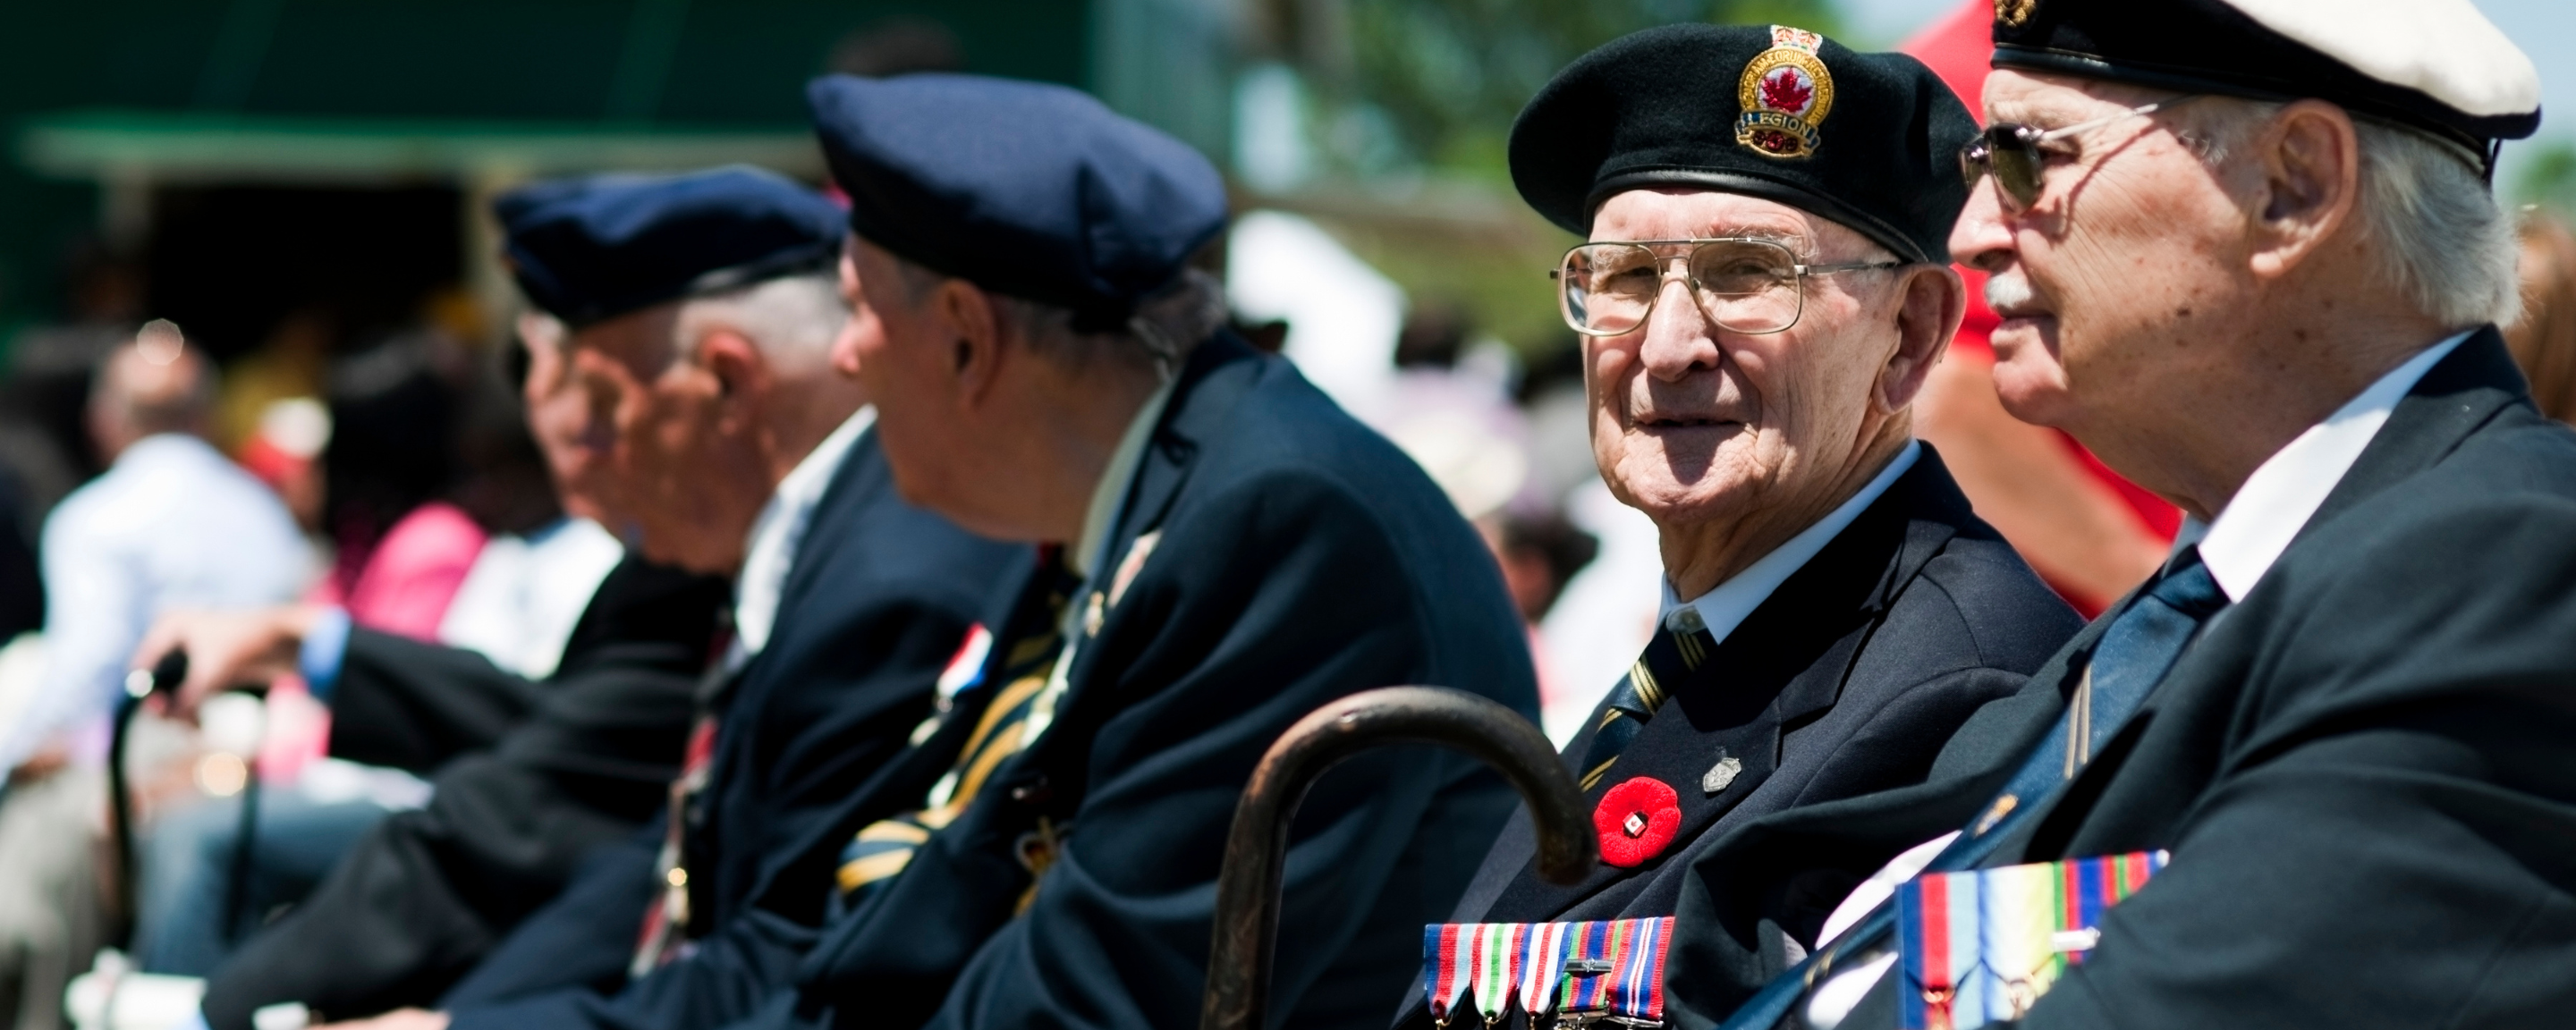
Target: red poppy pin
{"points": [[1636, 821]]}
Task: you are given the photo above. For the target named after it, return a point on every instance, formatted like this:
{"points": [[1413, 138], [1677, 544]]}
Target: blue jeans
{"points": [[187, 873]]}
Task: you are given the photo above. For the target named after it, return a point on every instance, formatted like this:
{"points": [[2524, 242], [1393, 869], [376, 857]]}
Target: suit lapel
{"points": [[1786, 662], [2455, 397]]}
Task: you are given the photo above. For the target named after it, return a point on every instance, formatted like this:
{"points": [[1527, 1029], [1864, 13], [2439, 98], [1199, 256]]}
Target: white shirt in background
{"points": [[171, 525], [523, 596]]}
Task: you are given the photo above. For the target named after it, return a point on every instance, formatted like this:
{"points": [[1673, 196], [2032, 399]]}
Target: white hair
{"points": [[1162, 332], [792, 320], [2432, 220]]}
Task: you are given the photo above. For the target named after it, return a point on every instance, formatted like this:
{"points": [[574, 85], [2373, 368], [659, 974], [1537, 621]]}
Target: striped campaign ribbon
{"points": [[1542, 966], [1982, 946], [1444, 967], [1637, 989], [1498, 952]]}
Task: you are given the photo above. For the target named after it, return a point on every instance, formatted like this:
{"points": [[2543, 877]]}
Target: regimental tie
{"points": [[1005, 726], [1583, 973], [1682, 642]]}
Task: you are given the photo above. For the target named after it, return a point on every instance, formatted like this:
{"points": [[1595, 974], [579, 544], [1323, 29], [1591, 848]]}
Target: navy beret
{"points": [[1026, 189], [2434, 65], [593, 248], [1867, 140]]}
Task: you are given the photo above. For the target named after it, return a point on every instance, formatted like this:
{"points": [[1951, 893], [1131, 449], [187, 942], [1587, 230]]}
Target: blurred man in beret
{"points": [[1765, 288], [2313, 773], [1228, 552], [702, 310]]}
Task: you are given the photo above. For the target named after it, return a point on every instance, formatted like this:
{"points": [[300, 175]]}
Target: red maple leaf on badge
{"points": [[1784, 90]]}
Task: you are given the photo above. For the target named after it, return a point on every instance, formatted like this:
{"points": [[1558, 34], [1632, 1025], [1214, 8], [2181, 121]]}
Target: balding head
{"points": [[152, 385]]}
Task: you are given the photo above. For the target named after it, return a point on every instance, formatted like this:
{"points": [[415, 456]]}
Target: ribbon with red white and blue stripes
{"points": [[1542, 965], [1613, 967]]}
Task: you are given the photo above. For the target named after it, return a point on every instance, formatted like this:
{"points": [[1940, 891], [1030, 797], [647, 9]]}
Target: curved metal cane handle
{"points": [[1247, 888]]}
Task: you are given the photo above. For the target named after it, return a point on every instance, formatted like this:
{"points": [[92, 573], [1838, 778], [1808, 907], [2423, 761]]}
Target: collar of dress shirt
{"points": [[1112, 488], [777, 531], [1722, 608], [2283, 493]]}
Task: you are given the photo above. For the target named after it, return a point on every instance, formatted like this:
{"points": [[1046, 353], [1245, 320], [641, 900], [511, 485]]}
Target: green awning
{"points": [[166, 148]]}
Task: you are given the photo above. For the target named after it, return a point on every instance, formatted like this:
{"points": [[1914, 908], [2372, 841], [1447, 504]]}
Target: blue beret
{"points": [[1868, 140], [593, 248], [1029, 190]]}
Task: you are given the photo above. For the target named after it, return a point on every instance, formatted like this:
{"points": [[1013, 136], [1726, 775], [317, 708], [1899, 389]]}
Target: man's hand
{"points": [[398, 1019], [227, 649]]}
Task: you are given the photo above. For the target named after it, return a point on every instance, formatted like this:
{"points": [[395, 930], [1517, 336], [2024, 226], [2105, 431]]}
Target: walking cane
{"points": [[163, 679], [1256, 848]]}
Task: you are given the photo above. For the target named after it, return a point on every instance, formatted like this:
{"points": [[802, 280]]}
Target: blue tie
{"points": [[2134, 654]]}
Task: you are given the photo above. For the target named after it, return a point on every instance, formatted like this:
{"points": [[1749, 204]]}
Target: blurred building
{"points": [[261, 160]]}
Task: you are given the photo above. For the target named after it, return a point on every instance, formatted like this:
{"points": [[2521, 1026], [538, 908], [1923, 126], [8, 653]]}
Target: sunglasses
{"points": [[2016, 154]]}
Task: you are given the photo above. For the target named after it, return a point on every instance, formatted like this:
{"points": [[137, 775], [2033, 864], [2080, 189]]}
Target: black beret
{"points": [[1867, 140], [1026, 189], [593, 248], [2435, 65]]}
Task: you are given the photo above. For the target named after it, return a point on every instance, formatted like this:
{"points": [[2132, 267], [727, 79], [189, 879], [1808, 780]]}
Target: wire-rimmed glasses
{"points": [[1742, 284], [2016, 154]]}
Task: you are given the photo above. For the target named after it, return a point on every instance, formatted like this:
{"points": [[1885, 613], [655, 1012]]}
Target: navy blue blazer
{"points": [[1282, 556], [876, 602], [2361, 770], [1847, 680]]}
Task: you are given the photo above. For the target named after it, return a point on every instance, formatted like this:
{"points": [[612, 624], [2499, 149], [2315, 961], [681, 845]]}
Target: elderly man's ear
{"points": [[1932, 302], [967, 315], [735, 362], [2310, 159]]}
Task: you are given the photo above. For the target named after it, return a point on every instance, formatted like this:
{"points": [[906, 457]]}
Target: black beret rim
{"points": [[2470, 131], [1731, 182], [801, 260]]}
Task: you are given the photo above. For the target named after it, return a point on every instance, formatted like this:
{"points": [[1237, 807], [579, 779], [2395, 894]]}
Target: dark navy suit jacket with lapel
{"points": [[1282, 556], [876, 602], [1847, 680], [2361, 769]]}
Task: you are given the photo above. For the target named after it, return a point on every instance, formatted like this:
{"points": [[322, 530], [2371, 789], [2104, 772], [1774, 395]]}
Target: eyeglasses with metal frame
{"points": [[2017, 154], [1743, 284]]}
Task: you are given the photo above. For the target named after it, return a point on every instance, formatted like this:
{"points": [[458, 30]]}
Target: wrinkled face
{"points": [[2133, 252], [1692, 423], [679, 470]]}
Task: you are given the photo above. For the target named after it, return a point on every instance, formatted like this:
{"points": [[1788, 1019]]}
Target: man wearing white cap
{"points": [[2313, 773]]}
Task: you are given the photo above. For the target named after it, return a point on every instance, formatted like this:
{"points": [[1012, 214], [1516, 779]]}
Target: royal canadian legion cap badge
{"points": [[1785, 93]]}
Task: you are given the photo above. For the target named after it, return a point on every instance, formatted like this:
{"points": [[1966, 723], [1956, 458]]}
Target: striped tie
{"points": [[1681, 643], [882, 849]]}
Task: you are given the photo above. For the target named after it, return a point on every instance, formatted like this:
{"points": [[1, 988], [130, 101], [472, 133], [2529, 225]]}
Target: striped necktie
{"points": [[882, 849], [1681, 643], [2136, 651]]}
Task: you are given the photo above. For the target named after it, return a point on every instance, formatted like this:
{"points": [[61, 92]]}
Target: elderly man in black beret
{"points": [[697, 374], [1764, 288], [2313, 773]]}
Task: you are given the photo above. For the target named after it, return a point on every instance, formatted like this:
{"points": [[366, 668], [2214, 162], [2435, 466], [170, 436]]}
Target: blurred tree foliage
{"points": [[1444, 78], [2549, 178], [1409, 104]]}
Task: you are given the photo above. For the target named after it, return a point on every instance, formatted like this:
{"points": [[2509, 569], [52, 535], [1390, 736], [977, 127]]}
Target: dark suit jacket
{"points": [[2360, 769], [1846, 681], [528, 777], [1294, 558], [878, 598]]}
